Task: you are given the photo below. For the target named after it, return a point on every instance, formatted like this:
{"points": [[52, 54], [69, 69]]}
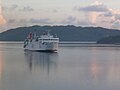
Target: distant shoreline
{"points": [[70, 44]]}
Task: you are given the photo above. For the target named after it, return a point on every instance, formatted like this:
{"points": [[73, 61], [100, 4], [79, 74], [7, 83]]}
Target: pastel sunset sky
{"points": [[18, 13]]}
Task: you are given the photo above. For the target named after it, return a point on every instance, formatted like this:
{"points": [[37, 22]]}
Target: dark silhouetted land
{"points": [[65, 33]]}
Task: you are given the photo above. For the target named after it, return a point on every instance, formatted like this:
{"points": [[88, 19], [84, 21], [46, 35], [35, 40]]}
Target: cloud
{"points": [[101, 15], [92, 17], [114, 16], [11, 21], [117, 16], [12, 7], [2, 19], [93, 11], [27, 8], [16, 7], [116, 25], [85, 23], [108, 14], [55, 11], [23, 21], [69, 20], [47, 21], [40, 21], [95, 7]]}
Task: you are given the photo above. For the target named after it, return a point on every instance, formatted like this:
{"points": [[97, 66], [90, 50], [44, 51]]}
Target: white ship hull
{"points": [[42, 44], [39, 46]]}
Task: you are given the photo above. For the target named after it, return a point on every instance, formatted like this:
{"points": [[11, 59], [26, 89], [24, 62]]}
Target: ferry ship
{"points": [[45, 42]]}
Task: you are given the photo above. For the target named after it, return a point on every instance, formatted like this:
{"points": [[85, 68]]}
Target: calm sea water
{"points": [[71, 68]]}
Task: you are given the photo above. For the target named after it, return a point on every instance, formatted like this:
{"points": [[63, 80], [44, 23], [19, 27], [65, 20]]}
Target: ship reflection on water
{"points": [[43, 61]]}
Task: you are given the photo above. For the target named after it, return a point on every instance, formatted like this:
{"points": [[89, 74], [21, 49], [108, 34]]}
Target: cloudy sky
{"points": [[17, 13]]}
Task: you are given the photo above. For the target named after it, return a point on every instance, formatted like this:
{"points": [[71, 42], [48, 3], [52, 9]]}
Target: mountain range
{"points": [[65, 33]]}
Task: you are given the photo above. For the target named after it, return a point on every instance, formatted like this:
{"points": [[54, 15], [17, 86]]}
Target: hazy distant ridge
{"points": [[65, 33]]}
